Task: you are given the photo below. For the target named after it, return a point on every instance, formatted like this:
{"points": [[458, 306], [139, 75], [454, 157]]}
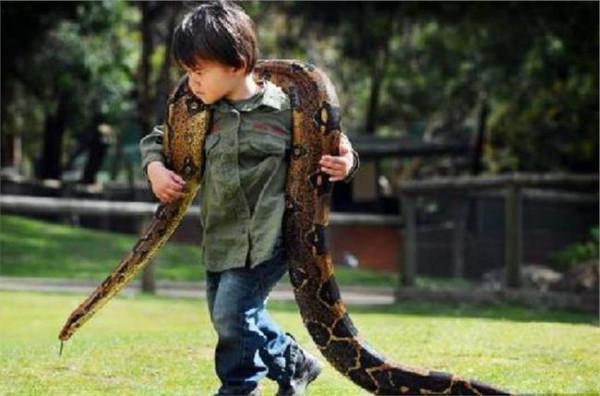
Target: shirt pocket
{"points": [[263, 145]]}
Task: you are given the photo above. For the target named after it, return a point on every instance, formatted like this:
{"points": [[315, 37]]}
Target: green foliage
{"points": [[534, 64], [557, 115], [89, 60], [580, 252], [421, 69]]}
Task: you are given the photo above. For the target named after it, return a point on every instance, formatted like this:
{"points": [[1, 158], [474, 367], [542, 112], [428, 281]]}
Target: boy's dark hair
{"points": [[217, 31]]}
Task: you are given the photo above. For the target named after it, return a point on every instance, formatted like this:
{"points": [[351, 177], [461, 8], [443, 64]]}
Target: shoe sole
{"points": [[313, 376]]}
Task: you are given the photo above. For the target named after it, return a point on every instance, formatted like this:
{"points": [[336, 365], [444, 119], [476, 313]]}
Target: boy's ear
{"points": [[242, 68]]}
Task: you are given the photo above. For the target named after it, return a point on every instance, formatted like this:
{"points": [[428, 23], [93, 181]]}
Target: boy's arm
{"points": [[151, 148], [341, 167], [166, 185]]}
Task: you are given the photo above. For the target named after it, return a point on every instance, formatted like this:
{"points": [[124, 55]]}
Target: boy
{"points": [[241, 197]]}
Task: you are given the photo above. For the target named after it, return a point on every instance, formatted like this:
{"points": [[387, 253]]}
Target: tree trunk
{"points": [[119, 159], [97, 149], [144, 95], [49, 166], [381, 44], [145, 109], [480, 136], [163, 84], [377, 74], [8, 144]]}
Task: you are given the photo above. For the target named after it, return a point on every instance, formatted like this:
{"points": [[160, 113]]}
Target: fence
{"points": [[515, 188], [72, 207]]}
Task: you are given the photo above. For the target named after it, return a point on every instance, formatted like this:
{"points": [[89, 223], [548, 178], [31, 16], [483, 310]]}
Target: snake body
{"points": [[315, 131]]}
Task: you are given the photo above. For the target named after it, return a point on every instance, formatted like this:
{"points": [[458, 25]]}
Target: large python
{"points": [[315, 131]]}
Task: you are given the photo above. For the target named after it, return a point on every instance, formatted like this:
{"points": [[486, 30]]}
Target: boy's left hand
{"points": [[338, 166]]}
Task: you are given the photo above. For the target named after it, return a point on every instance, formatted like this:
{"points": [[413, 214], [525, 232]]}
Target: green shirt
{"points": [[242, 193]]}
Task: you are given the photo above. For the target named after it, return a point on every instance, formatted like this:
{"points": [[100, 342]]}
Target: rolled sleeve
{"points": [[354, 168], [151, 147], [355, 163]]}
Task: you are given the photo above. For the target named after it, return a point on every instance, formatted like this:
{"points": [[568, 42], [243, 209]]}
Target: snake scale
{"points": [[315, 131]]}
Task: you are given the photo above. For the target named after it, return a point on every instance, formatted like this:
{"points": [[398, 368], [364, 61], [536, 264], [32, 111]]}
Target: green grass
{"points": [[40, 249], [146, 345], [32, 248]]}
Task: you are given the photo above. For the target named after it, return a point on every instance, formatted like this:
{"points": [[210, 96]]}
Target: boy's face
{"points": [[211, 81]]}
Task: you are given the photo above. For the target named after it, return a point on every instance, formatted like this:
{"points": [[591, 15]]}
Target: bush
{"points": [[578, 252]]}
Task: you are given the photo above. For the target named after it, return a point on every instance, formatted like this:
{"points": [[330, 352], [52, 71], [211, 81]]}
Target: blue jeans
{"points": [[250, 344]]}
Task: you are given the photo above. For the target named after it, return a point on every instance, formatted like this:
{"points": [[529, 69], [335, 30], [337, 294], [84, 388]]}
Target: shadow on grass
{"points": [[503, 312]]}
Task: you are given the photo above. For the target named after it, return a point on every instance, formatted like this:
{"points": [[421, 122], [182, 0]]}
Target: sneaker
{"points": [[307, 372]]}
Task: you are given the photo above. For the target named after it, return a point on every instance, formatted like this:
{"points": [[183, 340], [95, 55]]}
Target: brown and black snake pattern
{"points": [[316, 131]]}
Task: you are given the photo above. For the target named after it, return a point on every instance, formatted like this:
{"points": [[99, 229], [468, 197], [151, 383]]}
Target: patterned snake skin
{"points": [[316, 131]]}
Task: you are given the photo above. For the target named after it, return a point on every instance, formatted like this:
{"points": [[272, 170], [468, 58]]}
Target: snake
{"points": [[316, 130]]}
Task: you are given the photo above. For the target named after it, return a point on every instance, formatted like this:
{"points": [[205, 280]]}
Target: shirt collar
{"points": [[269, 96]]}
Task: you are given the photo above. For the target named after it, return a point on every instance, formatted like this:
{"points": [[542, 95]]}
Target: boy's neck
{"points": [[246, 89]]}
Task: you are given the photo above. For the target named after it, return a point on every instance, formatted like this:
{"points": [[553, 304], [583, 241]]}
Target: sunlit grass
{"points": [[40, 249], [32, 248], [156, 346]]}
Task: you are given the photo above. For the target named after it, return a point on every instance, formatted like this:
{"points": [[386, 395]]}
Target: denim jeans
{"points": [[250, 344]]}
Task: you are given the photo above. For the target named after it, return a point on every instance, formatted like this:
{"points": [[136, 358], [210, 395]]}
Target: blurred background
{"points": [[428, 90]]}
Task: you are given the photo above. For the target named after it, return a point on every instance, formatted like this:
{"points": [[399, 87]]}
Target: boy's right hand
{"points": [[166, 185]]}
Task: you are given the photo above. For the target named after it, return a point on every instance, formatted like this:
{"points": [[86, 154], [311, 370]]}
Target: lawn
{"points": [[145, 345], [32, 248]]}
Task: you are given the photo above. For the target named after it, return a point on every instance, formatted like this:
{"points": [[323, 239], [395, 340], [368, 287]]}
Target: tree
{"points": [[433, 68], [22, 26], [75, 70]]}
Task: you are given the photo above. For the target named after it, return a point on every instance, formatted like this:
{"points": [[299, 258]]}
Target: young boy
{"points": [[241, 197]]}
